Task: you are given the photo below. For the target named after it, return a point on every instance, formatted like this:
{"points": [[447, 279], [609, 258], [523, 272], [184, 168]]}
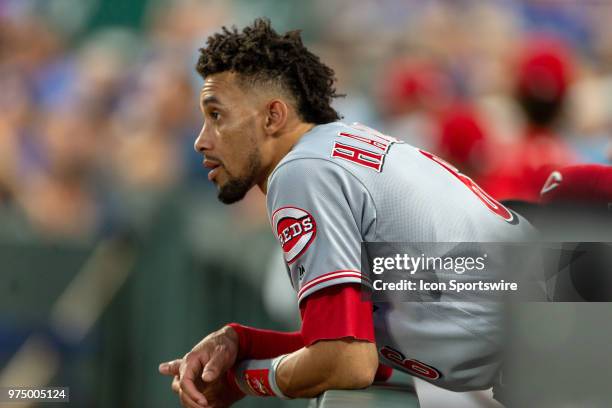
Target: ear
{"points": [[277, 112]]}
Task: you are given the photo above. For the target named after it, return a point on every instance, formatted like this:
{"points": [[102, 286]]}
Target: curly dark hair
{"points": [[260, 54]]}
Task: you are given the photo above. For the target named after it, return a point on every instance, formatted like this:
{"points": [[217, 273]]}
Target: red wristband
{"points": [[258, 377], [260, 344], [243, 344]]}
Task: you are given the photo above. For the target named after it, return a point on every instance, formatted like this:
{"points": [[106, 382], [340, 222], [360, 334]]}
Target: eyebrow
{"points": [[210, 99]]}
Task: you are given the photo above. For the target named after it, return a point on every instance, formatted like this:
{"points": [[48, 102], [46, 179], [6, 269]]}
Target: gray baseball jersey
{"points": [[342, 185]]}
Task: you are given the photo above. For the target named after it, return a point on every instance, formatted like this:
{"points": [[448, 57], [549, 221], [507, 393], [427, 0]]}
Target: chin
{"points": [[225, 199], [233, 191]]}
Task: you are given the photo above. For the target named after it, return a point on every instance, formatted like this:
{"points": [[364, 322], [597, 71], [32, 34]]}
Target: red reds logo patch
{"points": [[295, 230]]}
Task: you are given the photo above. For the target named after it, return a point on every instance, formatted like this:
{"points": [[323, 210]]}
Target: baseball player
{"points": [[268, 122]]}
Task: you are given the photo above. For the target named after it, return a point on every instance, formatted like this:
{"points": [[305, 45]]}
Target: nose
{"points": [[202, 142]]}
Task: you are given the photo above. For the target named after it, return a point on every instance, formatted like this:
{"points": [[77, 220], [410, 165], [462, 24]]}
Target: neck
{"points": [[283, 143]]}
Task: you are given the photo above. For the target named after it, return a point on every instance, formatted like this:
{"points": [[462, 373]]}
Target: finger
{"points": [[187, 401], [188, 388], [176, 387], [216, 364], [190, 370], [170, 367]]}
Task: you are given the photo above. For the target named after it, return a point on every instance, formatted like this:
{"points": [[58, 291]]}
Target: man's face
{"points": [[231, 136]]}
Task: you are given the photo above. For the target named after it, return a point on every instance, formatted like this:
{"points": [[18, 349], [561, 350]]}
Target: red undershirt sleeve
{"points": [[334, 312], [261, 344], [337, 312]]}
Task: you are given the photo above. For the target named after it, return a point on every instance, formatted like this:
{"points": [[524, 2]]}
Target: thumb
{"points": [[170, 367]]}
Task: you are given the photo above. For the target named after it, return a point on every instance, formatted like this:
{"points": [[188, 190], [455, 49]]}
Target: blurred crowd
{"points": [[504, 90]]}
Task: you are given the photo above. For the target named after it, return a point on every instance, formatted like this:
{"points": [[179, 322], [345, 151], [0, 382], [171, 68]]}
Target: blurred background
{"points": [[114, 252]]}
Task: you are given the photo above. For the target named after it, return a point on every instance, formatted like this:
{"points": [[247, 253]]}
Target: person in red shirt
{"points": [[544, 75]]}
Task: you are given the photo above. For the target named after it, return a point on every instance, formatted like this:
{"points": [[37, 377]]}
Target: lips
{"points": [[214, 166]]}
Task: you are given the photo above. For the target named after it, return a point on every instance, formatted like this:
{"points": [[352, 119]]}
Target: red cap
{"points": [[415, 84], [545, 68], [586, 183], [461, 136]]}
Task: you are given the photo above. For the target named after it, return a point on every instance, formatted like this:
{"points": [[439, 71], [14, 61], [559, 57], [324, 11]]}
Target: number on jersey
{"points": [[492, 204]]}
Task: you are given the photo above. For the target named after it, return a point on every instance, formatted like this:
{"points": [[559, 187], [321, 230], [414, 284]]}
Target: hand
{"points": [[203, 365], [218, 394], [221, 393]]}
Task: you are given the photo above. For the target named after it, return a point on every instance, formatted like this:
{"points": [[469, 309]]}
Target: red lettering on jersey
{"points": [[392, 355], [289, 229], [422, 369], [375, 133], [295, 230], [492, 204], [359, 156], [384, 146], [413, 366]]}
